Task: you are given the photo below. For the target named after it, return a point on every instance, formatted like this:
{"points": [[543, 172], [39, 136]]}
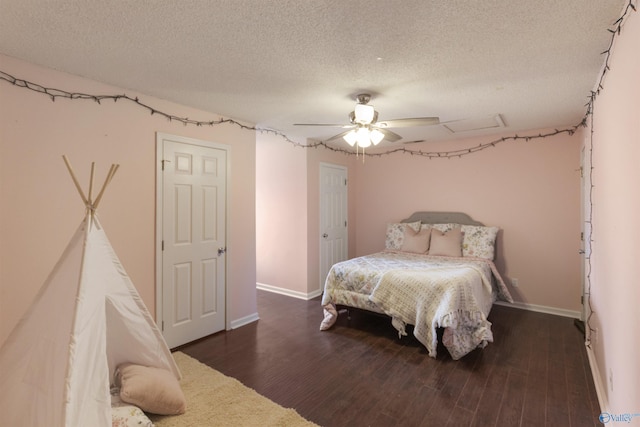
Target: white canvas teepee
{"points": [[57, 365]]}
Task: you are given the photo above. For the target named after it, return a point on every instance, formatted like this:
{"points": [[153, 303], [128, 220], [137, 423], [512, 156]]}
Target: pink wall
{"points": [[531, 190], [288, 214], [40, 207], [616, 229], [281, 214]]}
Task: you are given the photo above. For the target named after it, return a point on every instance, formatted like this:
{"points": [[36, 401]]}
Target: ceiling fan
{"points": [[365, 129]]}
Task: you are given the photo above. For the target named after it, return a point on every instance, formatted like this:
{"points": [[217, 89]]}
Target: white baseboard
{"points": [[601, 389], [288, 292], [244, 321], [542, 309]]}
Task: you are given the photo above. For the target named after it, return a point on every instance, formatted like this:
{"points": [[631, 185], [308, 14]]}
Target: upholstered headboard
{"points": [[442, 218]]}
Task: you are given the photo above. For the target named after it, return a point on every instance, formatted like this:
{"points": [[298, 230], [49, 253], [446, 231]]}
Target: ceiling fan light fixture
{"points": [[363, 137], [367, 131], [351, 138], [376, 136], [364, 114]]}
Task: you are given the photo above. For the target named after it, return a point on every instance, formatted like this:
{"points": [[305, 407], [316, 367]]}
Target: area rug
{"points": [[214, 399]]}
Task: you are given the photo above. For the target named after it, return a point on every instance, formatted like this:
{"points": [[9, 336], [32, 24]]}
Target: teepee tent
{"points": [[57, 365]]}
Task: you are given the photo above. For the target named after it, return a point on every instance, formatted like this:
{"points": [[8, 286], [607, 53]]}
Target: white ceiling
{"points": [[279, 62]]}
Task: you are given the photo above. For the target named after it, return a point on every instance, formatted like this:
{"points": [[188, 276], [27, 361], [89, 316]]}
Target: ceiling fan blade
{"points": [[390, 136], [403, 123], [338, 136]]}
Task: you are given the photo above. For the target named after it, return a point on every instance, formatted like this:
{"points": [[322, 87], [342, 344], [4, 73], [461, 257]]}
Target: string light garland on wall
{"points": [[54, 94], [57, 93], [588, 222], [615, 32]]}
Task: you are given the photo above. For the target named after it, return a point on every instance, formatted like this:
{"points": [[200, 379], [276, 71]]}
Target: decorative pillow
{"points": [[125, 415], [416, 242], [446, 243], [395, 234], [444, 227], [153, 390], [479, 241]]}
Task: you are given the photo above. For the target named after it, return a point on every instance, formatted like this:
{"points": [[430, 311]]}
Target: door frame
{"points": [[160, 137], [323, 165]]}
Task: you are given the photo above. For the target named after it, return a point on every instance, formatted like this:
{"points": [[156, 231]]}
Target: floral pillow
{"points": [[395, 234], [441, 227], [479, 241], [125, 415]]}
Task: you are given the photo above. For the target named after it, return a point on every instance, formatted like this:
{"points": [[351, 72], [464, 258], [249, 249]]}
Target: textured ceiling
{"points": [[280, 62]]}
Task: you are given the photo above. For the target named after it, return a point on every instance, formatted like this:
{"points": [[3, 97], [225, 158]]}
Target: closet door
{"points": [[193, 235], [333, 217]]}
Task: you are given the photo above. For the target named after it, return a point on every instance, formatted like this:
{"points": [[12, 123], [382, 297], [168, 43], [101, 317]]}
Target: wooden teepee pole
{"points": [[112, 172], [90, 195], [91, 204], [75, 180]]}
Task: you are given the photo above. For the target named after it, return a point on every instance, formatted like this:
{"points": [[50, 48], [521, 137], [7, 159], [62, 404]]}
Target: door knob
{"points": [[325, 235], [221, 251]]}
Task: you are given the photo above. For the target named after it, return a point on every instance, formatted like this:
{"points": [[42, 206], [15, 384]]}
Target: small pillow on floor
{"points": [[151, 389]]}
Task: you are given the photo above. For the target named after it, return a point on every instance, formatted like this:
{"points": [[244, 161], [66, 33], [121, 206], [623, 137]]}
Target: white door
{"points": [[333, 217], [193, 238]]}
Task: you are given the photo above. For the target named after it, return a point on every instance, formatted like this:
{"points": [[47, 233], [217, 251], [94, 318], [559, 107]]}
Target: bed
{"points": [[436, 271]]}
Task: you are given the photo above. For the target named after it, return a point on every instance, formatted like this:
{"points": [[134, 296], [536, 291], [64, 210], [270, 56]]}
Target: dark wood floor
{"points": [[359, 373]]}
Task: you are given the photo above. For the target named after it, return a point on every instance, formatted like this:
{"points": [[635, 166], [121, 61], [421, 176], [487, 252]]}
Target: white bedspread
{"points": [[424, 291]]}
